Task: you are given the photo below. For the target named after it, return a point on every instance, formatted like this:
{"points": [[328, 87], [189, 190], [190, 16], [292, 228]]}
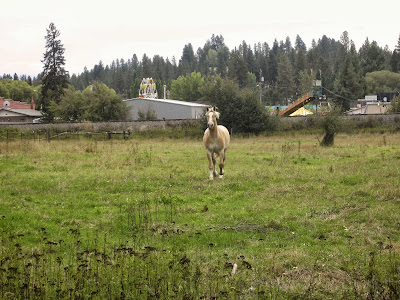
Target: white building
{"points": [[164, 109], [370, 105]]}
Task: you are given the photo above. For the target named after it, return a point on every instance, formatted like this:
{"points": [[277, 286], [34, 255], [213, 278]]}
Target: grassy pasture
{"points": [[139, 219]]}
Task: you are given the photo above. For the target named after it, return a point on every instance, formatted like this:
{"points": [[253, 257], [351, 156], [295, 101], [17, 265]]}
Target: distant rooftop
{"points": [[185, 103]]}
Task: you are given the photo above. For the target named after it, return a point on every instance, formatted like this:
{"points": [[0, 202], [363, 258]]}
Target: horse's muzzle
{"points": [[210, 126]]}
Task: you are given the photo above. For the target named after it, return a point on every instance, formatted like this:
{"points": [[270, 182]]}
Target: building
{"points": [[370, 105], [16, 111], [370, 108], [163, 109]]}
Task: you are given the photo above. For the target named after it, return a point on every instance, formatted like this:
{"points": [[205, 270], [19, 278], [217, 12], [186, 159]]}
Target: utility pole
{"points": [[261, 84]]}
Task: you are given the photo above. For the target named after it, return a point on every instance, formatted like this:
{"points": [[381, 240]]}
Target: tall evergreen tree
{"points": [[187, 64], [237, 69], [223, 59], [285, 79], [372, 57], [301, 61], [299, 44], [272, 71], [212, 61], [146, 66], [395, 59], [54, 76], [350, 83]]}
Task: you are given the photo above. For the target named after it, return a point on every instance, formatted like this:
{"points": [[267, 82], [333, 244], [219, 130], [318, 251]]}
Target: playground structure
{"points": [[296, 105], [148, 89], [316, 92]]}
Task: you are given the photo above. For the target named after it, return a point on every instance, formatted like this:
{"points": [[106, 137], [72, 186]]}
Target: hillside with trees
{"points": [[286, 68], [275, 73]]}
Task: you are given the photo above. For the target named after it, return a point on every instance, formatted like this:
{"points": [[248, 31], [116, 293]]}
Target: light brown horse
{"points": [[216, 140]]}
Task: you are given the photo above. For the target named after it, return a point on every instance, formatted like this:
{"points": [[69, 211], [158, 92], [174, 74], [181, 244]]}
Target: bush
{"points": [[331, 126], [240, 110]]}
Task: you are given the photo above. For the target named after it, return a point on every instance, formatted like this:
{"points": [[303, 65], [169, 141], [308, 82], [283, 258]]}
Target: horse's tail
{"points": [[216, 155]]}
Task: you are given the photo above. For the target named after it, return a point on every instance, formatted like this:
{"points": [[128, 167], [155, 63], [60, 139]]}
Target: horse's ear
{"points": [[215, 108]]}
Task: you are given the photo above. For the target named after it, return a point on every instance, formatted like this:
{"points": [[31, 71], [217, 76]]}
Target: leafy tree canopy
{"points": [[187, 87], [96, 103], [18, 90], [240, 109], [395, 105], [382, 81], [103, 104]]}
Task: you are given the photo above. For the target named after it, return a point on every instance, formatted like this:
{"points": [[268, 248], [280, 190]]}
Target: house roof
{"points": [[169, 101], [26, 112], [12, 104]]}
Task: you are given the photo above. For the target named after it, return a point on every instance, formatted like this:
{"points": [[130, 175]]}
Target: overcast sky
{"points": [[94, 30]]}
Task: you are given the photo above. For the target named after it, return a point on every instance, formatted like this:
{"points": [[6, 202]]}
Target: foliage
{"points": [[350, 83], [395, 105], [331, 126], [240, 109], [71, 106], [372, 57], [336, 62], [148, 114], [96, 103], [18, 90], [54, 76], [187, 87], [103, 104], [237, 69], [285, 79], [326, 59], [382, 81], [305, 82]]}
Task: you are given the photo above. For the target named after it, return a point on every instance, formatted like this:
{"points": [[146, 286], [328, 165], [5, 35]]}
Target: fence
{"points": [[9, 135], [108, 130]]}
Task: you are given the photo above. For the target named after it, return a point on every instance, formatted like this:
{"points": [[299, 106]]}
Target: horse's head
{"points": [[212, 116]]}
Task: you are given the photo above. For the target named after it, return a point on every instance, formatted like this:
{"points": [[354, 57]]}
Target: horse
{"points": [[216, 140]]}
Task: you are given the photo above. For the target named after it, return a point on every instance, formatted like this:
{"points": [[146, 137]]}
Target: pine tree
{"points": [[372, 57], [299, 44], [237, 69], [54, 77], [395, 59], [285, 79], [350, 83], [187, 63]]}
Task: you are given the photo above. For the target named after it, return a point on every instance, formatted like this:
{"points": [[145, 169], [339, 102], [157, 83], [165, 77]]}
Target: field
{"points": [[86, 218]]}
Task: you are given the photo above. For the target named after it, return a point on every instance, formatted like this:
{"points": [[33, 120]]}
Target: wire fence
{"points": [[10, 134]]}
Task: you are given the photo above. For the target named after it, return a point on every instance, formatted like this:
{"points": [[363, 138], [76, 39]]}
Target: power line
{"points": [[333, 93]]}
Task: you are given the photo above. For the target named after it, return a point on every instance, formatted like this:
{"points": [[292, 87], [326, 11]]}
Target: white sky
{"points": [[94, 30]]}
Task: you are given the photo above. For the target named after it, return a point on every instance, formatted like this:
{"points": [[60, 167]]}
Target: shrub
{"points": [[331, 126]]}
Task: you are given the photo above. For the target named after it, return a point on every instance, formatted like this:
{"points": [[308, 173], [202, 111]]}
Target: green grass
{"points": [[139, 219]]}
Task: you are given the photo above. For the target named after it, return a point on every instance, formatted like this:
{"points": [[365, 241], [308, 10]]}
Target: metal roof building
{"points": [[164, 109], [15, 111]]}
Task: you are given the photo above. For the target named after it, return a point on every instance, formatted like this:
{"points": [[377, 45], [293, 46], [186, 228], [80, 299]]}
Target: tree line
{"points": [[283, 70], [275, 74]]}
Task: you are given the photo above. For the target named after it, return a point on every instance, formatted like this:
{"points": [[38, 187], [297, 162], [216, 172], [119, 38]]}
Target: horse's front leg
{"points": [[211, 164], [221, 163]]}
